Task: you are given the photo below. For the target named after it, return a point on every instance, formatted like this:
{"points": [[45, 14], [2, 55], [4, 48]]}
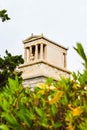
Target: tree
{"points": [[3, 15], [8, 66]]}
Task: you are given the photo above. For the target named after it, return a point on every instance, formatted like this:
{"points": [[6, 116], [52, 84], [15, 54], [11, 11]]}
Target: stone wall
{"points": [[32, 73]]}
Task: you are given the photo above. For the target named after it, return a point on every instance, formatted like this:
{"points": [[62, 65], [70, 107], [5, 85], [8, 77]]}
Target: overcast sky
{"points": [[62, 21]]}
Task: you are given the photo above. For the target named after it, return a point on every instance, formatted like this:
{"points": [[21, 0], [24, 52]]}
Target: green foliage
{"points": [[56, 106], [4, 15], [53, 105], [80, 50], [81, 77], [23, 110], [8, 66]]}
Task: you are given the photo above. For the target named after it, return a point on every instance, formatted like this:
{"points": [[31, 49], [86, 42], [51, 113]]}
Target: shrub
{"points": [[51, 106]]}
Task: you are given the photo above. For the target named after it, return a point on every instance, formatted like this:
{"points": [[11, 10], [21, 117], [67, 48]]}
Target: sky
{"points": [[62, 21]]}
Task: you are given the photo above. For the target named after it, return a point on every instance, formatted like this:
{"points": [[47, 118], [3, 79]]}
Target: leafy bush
{"points": [[50, 106]]}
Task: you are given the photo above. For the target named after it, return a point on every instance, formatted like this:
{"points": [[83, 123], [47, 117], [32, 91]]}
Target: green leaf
{"points": [[39, 111], [58, 124], [25, 116], [4, 127], [11, 120], [80, 50], [54, 109], [84, 125], [49, 81]]}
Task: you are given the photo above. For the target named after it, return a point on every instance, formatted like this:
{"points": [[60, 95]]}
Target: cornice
{"points": [[44, 62]]}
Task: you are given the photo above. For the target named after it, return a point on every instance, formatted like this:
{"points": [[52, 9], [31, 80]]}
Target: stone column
{"points": [[36, 52], [41, 51], [31, 56], [64, 60], [25, 55], [28, 54], [30, 50], [45, 52]]}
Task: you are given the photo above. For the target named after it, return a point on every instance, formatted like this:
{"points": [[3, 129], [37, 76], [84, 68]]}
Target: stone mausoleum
{"points": [[43, 58]]}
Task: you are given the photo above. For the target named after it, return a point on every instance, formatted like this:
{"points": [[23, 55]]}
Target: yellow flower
{"points": [[70, 127], [56, 97], [76, 86], [75, 111]]}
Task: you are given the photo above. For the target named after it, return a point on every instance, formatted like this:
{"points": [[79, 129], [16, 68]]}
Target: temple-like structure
{"points": [[43, 58]]}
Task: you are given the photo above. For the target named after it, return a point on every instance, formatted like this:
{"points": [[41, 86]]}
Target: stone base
{"points": [[38, 72], [32, 82]]}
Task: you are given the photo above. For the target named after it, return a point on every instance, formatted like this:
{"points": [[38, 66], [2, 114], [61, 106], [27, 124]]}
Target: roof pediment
{"points": [[36, 37], [32, 38]]}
